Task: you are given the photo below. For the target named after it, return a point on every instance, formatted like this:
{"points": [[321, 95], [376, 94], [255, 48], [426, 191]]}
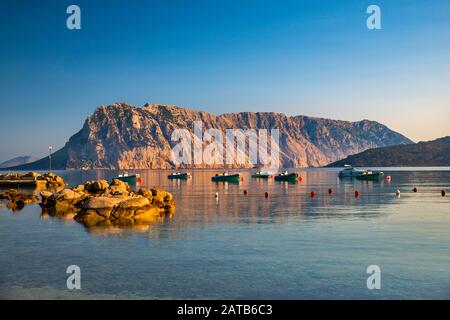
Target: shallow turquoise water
{"points": [[288, 246]]}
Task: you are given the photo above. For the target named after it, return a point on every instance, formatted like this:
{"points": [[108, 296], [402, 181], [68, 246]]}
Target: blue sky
{"points": [[314, 58]]}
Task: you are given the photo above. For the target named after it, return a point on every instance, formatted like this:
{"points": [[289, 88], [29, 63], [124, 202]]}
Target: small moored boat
{"points": [[226, 177], [285, 176], [130, 179], [370, 175], [262, 175], [178, 175], [361, 174], [349, 171]]}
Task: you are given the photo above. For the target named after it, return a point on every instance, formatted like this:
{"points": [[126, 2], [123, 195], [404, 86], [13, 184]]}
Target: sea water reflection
{"points": [[288, 245], [197, 204]]}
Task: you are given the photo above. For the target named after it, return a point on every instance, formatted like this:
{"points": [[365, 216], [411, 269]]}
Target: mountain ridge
{"points": [[122, 136], [18, 161]]}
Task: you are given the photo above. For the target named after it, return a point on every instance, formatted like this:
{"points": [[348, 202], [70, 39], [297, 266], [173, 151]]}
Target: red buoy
{"points": [[242, 179], [356, 194], [330, 191], [300, 178], [313, 194]]}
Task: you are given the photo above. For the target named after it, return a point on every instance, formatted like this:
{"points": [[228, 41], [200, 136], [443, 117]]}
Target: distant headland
{"points": [[422, 154]]}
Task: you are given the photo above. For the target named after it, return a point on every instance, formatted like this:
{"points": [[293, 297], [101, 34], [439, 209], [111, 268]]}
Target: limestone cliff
{"points": [[121, 136]]}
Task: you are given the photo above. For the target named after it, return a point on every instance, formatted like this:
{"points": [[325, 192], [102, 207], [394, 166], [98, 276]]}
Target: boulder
{"points": [[11, 205], [52, 180], [118, 182], [101, 202], [162, 199], [28, 200], [99, 186], [58, 180], [20, 204], [33, 175], [68, 195], [146, 193], [88, 186], [118, 187], [126, 208], [79, 188], [105, 212], [147, 214], [64, 202], [135, 202], [50, 175], [45, 194]]}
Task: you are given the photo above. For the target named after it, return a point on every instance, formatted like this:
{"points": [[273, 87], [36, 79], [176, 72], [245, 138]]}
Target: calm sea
{"points": [[286, 246]]}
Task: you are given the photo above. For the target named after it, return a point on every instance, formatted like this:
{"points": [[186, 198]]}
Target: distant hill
{"points": [[121, 136], [430, 153], [17, 161]]}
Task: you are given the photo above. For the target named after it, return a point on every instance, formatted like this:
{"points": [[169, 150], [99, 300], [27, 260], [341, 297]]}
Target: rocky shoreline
{"points": [[32, 179], [18, 199], [98, 203], [94, 203]]}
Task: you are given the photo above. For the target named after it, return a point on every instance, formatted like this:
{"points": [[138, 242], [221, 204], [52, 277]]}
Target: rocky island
{"points": [[122, 136], [98, 203]]}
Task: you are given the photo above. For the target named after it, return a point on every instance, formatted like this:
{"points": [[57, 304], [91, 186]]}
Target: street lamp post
{"points": [[50, 157]]}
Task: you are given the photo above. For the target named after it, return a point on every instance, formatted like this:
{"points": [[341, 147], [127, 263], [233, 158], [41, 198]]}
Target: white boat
{"points": [[349, 171]]}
